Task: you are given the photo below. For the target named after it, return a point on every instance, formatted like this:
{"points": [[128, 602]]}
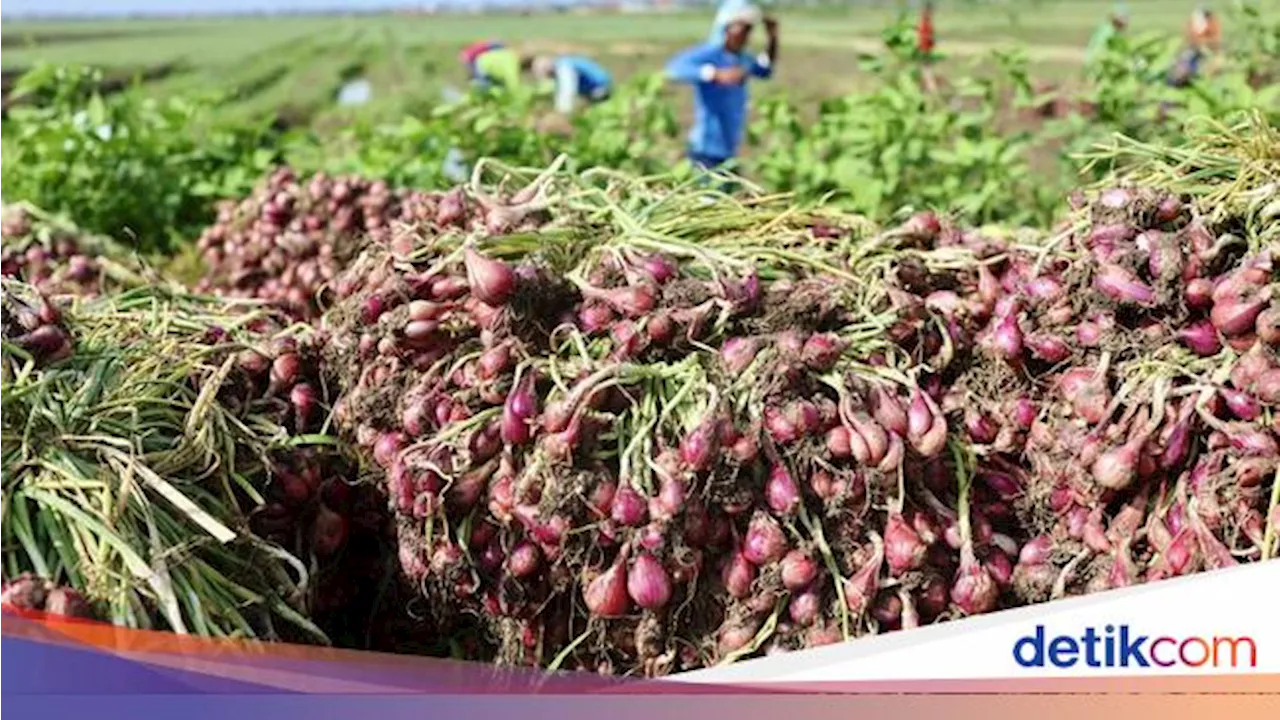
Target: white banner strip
{"points": [[1222, 622]]}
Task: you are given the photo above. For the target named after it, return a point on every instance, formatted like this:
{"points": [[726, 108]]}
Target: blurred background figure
{"points": [[474, 50], [926, 41], [1117, 22], [718, 72], [1203, 39], [574, 77], [1203, 30], [493, 64], [489, 63]]}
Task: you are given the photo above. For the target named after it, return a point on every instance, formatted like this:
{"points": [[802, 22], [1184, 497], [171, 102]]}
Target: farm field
{"points": [[449, 373], [414, 57]]}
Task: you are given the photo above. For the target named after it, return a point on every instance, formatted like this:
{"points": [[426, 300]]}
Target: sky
{"points": [[17, 8]]}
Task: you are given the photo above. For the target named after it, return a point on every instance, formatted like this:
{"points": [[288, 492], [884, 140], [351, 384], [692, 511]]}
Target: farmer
{"points": [[474, 50], [718, 73], [495, 65], [1203, 31], [1115, 24], [574, 77], [926, 41], [1203, 39]]}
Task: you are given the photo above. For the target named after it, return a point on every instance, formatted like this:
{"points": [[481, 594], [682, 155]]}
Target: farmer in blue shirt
{"points": [[574, 77], [718, 73]]}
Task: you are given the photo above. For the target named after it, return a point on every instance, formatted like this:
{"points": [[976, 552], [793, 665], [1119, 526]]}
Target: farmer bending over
{"points": [[1203, 39], [1203, 31], [571, 77], [574, 77], [718, 73], [472, 52], [492, 64]]}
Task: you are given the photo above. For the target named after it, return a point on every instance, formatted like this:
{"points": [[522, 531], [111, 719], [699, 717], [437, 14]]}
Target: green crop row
{"points": [[149, 169]]}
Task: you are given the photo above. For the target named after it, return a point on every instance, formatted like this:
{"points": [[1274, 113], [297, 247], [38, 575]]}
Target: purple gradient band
{"points": [[50, 672]]}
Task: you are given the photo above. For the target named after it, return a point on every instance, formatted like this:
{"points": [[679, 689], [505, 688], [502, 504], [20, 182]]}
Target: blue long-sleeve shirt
{"points": [[719, 111], [578, 76]]}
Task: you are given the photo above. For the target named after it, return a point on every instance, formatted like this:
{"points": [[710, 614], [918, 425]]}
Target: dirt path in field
{"points": [[961, 48], [617, 48], [955, 48]]}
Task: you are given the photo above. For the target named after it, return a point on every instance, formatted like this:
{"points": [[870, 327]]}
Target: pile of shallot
{"points": [[288, 239], [33, 323], [291, 237], [49, 255], [314, 507], [35, 594], [659, 459], [1120, 391]]}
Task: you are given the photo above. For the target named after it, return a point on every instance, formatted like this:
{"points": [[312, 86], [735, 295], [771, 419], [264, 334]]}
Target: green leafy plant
{"points": [[127, 166], [1255, 44], [900, 146], [634, 130]]}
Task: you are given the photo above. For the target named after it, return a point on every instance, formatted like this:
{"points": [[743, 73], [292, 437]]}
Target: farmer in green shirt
{"points": [[500, 66], [1114, 25]]}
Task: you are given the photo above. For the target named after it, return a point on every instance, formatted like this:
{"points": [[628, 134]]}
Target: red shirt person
{"points": [[925, 38], [474, 50], [926, 41]]}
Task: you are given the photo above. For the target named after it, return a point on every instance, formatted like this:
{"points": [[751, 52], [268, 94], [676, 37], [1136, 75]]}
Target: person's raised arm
{"points": [[762, 64], [771, 33]]}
